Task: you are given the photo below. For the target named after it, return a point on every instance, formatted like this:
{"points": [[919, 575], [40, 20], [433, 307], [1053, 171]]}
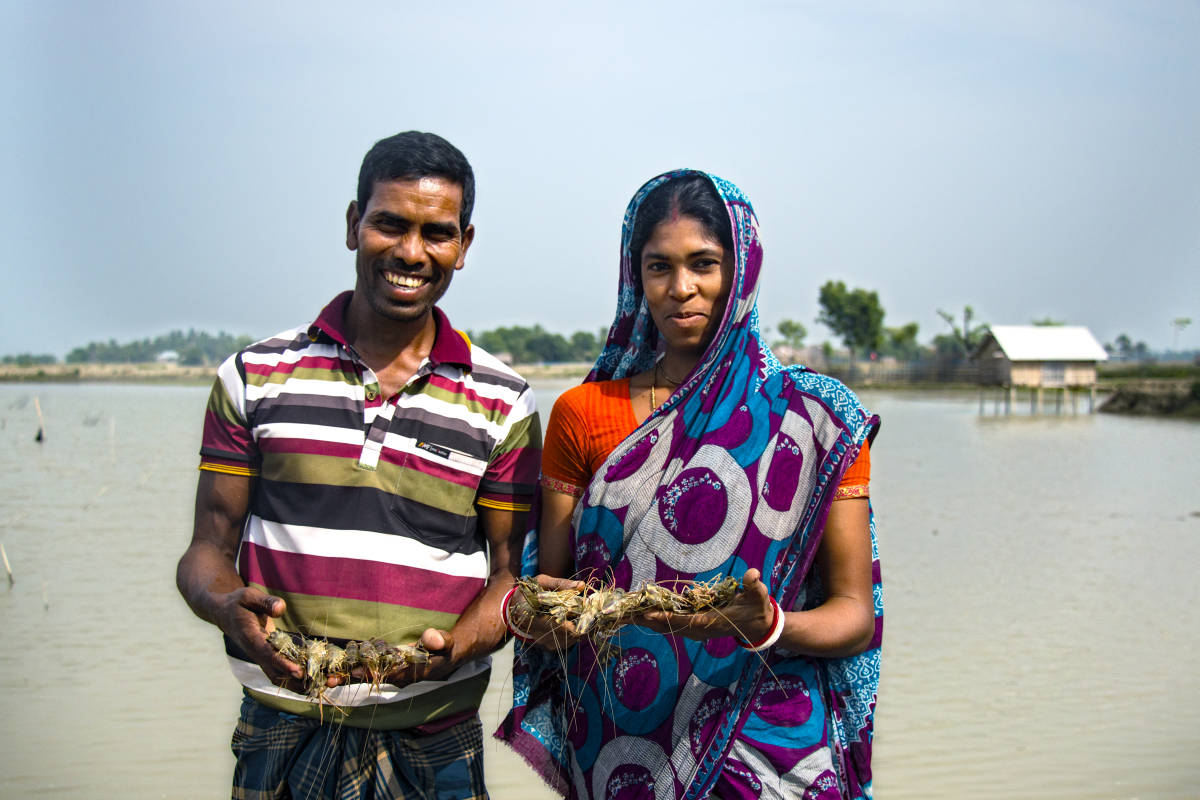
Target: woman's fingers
{"points": [[554, 584]]}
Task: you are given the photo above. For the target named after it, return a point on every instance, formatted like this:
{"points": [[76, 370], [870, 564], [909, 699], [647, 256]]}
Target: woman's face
{"points": [[686, 275]]}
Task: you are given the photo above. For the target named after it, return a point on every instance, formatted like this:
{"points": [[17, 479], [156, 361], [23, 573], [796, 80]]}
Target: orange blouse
{"points": [[590, 420]]}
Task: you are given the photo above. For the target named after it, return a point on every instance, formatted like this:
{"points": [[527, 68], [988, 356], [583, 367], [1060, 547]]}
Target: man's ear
{"points": [[352, 225], [467, 237]]}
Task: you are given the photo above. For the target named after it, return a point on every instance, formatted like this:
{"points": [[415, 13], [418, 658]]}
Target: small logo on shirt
{"points": [[447, 453], [437, 450]]}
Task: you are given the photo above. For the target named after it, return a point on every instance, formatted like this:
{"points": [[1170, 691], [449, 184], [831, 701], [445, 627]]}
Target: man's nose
{"points": [[411, 249]]}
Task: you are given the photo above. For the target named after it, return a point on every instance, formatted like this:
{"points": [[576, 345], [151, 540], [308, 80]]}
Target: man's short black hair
{"points": [[415, 154]]}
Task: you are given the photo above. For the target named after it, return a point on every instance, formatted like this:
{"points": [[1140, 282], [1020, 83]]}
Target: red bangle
{"points": [[517, 633], [773, 633]]}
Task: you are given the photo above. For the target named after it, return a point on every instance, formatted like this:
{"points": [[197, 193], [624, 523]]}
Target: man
{"points": [[368, 476]]}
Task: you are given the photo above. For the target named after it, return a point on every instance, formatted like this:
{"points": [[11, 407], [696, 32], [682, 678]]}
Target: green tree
{"points": [[31, 359], [1179, 323], [902, 342], [1048, 322], [968, 336], [792, 334], [193, 347], [855, 316]]}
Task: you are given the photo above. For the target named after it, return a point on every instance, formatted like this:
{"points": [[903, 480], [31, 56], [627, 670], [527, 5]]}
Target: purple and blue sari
{"points": [[737, 469]]}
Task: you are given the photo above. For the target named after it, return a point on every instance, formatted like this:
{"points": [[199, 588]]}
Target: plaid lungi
{"points": [[284, 757]]}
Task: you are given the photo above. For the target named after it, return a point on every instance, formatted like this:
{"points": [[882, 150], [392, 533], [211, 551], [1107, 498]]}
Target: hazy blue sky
{"points": [[172, 165]]}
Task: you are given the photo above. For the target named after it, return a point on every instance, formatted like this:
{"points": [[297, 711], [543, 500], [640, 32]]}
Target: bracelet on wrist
{"points": [[516, 632], [773, 634]]}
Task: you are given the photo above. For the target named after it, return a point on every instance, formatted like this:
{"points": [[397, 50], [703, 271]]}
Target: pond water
{"points": [[1040, 635]]}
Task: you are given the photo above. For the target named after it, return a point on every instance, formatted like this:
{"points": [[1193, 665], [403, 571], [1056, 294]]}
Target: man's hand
{"points": [[210, 584], [440, 665], [246, 616]]}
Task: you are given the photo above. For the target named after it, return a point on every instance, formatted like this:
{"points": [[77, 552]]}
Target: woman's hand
{"points": [[544, 632], [748, 618]]}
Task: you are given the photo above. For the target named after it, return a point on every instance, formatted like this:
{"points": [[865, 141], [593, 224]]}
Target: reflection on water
{"points": [[1039, 642]]}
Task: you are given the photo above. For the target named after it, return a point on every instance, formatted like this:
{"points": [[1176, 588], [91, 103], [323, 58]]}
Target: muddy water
{"points": [[1040, 638]]}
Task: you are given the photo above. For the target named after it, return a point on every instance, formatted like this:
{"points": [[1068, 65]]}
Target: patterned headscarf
{"points": [[736, 470]]}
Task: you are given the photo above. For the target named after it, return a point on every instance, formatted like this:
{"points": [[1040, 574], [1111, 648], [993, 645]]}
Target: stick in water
{"points": [[7, 568], [41, 422]]}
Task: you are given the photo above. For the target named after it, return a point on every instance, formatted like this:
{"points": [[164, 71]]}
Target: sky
{"points": [[168, 165]]}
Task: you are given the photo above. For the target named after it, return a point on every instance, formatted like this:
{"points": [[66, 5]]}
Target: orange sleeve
{"points": [[564, 461], [586, 425], [856, 482]]}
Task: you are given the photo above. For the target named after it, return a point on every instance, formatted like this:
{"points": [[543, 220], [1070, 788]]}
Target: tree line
{"points": [[193, 348], [519, 344], [522, 345], [854, 315]]}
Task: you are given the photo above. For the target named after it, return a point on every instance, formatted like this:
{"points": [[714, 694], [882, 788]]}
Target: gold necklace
{"points": [[668, 378], [653, 381]]}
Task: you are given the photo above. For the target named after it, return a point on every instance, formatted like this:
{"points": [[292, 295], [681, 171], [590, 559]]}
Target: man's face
{"points": [[409, 244]]}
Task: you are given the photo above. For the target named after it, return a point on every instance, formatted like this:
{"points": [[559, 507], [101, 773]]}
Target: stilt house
{"points": [[1039, 357], [1057, 358]]}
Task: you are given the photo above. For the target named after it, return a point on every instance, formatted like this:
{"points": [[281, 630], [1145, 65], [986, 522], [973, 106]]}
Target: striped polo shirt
{"points": [[363, 518]]}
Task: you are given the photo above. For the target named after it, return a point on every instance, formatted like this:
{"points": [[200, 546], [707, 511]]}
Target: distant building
{"points": [[1039, 357], [167, 357]]}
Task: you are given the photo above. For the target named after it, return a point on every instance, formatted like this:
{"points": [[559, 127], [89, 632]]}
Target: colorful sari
{"points": [[736, 470]]}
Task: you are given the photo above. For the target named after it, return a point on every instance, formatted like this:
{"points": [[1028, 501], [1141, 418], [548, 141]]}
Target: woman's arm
{"points": [[843, 625], [554, 533]]}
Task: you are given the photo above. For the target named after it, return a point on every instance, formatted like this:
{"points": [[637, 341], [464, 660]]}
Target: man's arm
{"points": [[208, 580], [478, 630]]}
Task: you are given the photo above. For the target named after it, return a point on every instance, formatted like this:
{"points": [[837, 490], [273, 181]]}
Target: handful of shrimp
{"points": [[322, 659], [598, 610]]}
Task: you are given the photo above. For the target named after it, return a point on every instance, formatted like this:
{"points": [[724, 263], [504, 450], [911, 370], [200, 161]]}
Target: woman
{"points": [[690, 453]]}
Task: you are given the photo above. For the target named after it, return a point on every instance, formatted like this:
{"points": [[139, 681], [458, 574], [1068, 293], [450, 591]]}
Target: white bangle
{"points": [[507, 620], [777, 622]]}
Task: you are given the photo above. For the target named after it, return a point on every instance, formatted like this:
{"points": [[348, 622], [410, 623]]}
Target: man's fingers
{"points": [[260, 603], [436, 641]]}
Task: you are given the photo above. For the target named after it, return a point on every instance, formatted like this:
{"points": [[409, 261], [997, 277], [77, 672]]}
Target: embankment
{"points": [[1164, 398]]}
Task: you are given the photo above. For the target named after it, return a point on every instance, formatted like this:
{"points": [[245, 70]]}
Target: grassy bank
{"points": [[1155, 397], [151, 372], [155, 372]]}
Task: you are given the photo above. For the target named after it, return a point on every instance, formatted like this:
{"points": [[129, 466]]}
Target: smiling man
{"points": [[367, 476]]}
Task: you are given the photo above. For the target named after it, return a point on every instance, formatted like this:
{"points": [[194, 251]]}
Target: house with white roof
{"points": [[1039, 356], [1061, 358]]}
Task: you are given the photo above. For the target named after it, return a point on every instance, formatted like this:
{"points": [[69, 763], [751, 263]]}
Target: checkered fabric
{"points": [[281, 756]]}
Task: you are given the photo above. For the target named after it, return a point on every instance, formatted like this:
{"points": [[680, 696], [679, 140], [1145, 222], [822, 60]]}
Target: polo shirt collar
{"points": [[449, 346]]}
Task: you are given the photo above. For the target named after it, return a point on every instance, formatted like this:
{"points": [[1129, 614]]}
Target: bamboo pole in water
{"points": [[41, 421]]}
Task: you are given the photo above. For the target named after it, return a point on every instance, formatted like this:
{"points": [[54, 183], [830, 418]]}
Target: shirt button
{"points": [[371, 393]]}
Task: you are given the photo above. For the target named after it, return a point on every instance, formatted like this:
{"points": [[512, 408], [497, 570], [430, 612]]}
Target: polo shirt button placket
{"points": [[380, 419]]}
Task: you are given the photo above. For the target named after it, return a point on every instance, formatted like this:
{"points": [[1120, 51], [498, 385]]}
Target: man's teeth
{"points": [[406, 281]]}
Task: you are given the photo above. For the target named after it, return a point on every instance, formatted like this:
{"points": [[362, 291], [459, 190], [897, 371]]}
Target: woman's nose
{"points": [[682, 284]]}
